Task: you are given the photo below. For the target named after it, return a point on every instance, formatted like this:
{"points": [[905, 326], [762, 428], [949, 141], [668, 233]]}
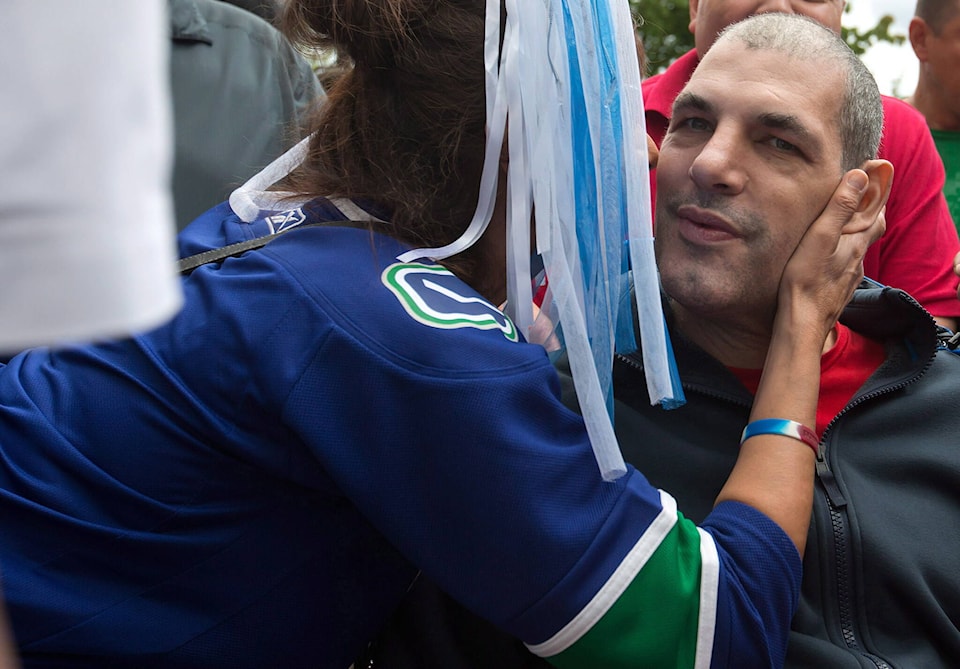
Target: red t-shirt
{"points": [[916, 252], [843, 370]]}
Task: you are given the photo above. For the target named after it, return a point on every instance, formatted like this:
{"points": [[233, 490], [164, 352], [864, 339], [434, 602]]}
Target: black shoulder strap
{"points": [[190, 263]]}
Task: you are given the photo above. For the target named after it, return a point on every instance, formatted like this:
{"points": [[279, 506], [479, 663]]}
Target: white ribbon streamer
{"points": [[559, 89]]}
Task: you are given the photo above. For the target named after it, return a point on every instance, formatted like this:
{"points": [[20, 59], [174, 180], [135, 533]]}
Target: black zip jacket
{"points": [[881, 583]]}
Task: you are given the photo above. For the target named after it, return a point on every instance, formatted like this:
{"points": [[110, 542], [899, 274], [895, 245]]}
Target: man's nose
{"points": [[719, 166]]}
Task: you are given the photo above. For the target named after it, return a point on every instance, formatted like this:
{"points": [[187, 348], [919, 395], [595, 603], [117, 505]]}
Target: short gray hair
{"points": [[861, 108]]}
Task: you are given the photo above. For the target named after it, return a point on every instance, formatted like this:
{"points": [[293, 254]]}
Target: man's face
{"points": [[709, 17], [943, 61], [750, 159]]}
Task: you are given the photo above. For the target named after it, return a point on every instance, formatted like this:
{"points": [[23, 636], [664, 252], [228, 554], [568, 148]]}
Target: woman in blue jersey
{"points": [[258, 482]]}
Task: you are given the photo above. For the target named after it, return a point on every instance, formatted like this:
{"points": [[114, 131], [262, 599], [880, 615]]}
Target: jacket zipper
{"points": [[836, 505]]}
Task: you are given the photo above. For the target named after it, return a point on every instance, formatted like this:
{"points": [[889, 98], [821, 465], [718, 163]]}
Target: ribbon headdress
{"points": [[568, 79]]}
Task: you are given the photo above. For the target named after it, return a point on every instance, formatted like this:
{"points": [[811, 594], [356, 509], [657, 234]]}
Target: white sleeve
{"points": [[86, 226]]}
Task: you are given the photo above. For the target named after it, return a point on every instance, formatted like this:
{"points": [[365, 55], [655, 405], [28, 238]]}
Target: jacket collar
{"points": [[892, 316]]}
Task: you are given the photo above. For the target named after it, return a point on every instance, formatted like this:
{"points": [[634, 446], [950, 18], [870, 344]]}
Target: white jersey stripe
{"points": [[709, 589], [618, 582]]}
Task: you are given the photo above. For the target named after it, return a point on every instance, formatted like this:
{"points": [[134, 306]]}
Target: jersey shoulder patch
{"points": [[433, 296]]}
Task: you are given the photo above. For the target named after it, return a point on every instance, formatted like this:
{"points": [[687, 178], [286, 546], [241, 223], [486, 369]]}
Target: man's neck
{"points": [[938, 113], [742, 344]]}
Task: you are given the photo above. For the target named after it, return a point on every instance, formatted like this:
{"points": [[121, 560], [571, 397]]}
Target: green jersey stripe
{"points": [[657, 614], [621, 578]]}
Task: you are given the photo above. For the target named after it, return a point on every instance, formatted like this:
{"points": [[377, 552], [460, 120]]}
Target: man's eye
{"points": [[696, 123], [783, 145]]}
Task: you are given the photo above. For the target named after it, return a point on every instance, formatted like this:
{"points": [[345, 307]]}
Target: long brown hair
{"points": [[405, 126]]}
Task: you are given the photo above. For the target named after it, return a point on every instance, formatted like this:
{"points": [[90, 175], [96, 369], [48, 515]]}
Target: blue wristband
{"points": [[786, 428]]}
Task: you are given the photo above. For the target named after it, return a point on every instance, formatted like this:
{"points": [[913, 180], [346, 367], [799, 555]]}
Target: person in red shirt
{"points": [[917, 253]]}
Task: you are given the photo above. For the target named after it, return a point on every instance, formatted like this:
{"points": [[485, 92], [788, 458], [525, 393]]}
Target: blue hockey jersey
{"points": [[257, 482]]}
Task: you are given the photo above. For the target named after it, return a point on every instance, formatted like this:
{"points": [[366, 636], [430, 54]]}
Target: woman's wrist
{"points": [[803, 324]]}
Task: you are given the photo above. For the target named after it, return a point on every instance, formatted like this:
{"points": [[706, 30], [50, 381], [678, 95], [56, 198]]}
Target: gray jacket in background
{"points": [[240, 91]]}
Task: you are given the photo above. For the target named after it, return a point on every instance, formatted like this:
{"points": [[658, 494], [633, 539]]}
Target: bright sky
{"points": [[894, 67]]}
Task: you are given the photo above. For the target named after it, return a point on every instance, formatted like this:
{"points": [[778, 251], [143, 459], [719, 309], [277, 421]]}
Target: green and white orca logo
{"points": [[432, 295]]}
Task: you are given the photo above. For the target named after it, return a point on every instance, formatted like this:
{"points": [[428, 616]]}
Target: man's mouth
{"points": [[701, 226]]}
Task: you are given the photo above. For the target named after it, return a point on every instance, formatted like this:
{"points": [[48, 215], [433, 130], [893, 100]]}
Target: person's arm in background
{"points": [[86, 226]]}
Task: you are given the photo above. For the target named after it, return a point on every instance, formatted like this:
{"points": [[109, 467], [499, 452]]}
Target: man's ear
{"points": [[694, 8], [879, 182], [918, 37]]}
